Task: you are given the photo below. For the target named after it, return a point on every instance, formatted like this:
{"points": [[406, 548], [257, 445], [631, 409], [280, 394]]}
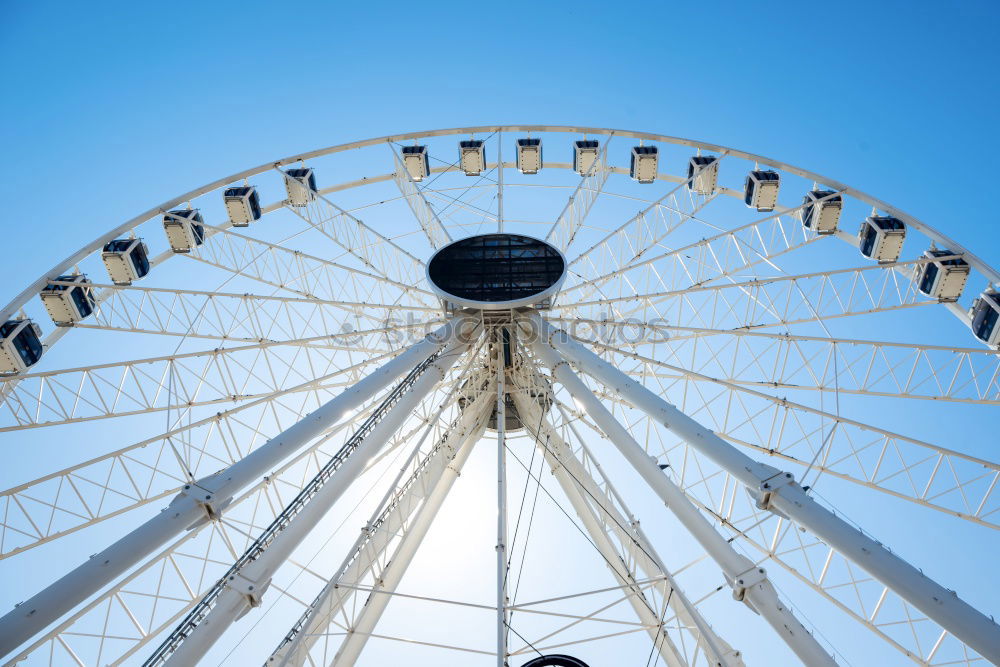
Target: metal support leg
{"points": [[390, 577], [570, 478], [749, 583], [501, 411], [635, 547], [246, 587], [778, 491], [205, 499], [424, 493]]}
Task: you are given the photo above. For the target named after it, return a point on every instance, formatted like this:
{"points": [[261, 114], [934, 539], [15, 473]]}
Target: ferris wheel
{"points": [[439, 398]]}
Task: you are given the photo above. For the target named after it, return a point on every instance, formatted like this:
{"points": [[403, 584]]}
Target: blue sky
{"points": [[111, 109], [132, 103]]}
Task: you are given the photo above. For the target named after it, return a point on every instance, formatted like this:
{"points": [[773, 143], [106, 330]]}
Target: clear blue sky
{"points": [[114, 107]]}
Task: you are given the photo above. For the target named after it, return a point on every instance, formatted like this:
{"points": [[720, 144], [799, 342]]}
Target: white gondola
{"points": [[529, 155], [821, 211], [985, 316], [942, 279], [185, 229], [416, 162], [20, 346], [126, 260], [301, 186], [584, 155], [472, 156], [644, 163], [242, 205], [68, 304], [761, 190], [703, 174], [881, 238]]}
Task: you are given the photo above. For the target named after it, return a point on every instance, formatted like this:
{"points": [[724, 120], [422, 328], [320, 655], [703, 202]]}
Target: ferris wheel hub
{"points": [[497, 272]]}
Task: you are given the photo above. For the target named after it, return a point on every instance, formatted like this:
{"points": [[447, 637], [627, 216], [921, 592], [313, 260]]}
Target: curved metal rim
{"points": [[31, 290]]}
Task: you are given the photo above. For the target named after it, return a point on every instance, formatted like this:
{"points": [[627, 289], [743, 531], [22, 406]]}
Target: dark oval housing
{"points": [[495, 268]]}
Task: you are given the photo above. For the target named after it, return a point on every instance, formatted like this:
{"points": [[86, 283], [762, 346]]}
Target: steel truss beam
{"points": [[779, 493], [749, 582], [159, 592], [697, 263], [574, 214], [625, 548], [631, 239], [237, 317], [205, 499], [428, 220], [242, 588], [404, 521], [926, 474], [296, 271], [84, 494], [769, 359], [377, 252], [173, 382], [777, 301]]}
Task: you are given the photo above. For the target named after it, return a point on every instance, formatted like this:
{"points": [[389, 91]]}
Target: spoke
{"points": [[568, 224], [377, 252], [170, 583], [779, 301], [428, 220], [851, 366], [296, 271], [639, 233], [238, 317], [907, 468], [84, 494], [697, 263]]}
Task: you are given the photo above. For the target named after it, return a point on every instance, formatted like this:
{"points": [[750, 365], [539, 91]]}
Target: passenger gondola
{"points": [[472, 156], [985, 316], [821, 211], [761, 190], [942, 279], [20, 346], [301, 186], [529, 155], [126, 260], [185, 229], [242, 205], [584, 155], [881, 238], [703, 174], [68, 304], [416, 162], [644, 163]]}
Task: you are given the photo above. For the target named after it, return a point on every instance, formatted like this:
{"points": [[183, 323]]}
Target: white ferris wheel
{"points": [[433, 399]]}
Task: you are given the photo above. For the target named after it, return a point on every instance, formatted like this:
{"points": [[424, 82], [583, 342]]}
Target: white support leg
{"points": [[778, 491], [424, 493], [205, 499], [578, 485], [501, 411], [245, 588], [554, 449], [749, 583], [390, 577]]}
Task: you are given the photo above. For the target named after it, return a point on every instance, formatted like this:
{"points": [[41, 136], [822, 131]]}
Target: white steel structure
{"points": [[415, 416]]}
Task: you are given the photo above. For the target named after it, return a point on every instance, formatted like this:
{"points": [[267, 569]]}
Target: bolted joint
{"points": [[211, 505], [746, 580], [770, 486], [252, 591]]}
